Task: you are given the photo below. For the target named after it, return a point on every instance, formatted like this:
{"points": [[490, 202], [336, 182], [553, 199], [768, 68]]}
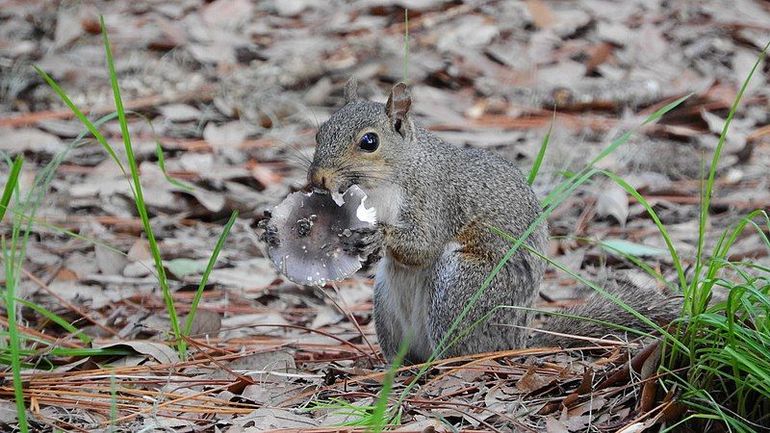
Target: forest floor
{"points": [[233, 92]]}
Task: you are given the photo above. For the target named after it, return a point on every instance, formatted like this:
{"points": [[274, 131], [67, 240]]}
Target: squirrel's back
{"points": [[475, 187]]}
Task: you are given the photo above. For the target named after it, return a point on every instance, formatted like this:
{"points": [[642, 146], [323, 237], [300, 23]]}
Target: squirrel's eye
{"points": [[369, 142]]}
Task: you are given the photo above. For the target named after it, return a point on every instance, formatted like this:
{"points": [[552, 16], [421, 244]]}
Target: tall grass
{"points": [[374, 417], [141, 207], [13, 255], [136, 187], [11, 259], [177, 331], [718, 353], [23, 219], [727, 356], [540, 154]]}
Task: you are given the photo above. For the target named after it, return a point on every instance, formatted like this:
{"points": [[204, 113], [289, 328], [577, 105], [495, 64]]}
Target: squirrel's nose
{"points": [[320, 178]]}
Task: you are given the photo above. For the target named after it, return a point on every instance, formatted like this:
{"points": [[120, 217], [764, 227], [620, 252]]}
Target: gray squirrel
{"points": [[435, 203]]}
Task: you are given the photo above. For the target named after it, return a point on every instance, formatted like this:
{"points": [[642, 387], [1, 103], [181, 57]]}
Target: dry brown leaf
{"points": [[206, 323], [541, 13], [533, 381], [553, 425], [264, 362], [268, 419], [160, 352]]}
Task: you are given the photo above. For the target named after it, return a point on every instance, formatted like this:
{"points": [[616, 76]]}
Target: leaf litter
{"points": [[233, 92]]}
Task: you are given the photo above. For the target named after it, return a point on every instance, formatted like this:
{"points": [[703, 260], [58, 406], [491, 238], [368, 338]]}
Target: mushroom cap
{"points": [[309, 229]]}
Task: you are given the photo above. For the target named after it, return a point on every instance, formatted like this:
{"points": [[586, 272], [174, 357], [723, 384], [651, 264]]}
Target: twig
{"points": [[204, 93]]}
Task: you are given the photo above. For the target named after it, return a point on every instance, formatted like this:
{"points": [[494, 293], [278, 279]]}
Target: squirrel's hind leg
{"points": [[490, 324], [401, 306], [389, 331]]}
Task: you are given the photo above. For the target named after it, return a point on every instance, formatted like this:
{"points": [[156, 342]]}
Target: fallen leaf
{"points": [[553, 425], [110, 262], [261, 320], [230, 134], [227, 13], [631, 248], [29, 140], [268, 419], [180, 112], [532, 381], [541, 13], [254, 273], [183, 267], [326, 315], [67, 26], [206, 323], [158, 351], [289, 8], [636, 427], [612, 200], [7, 412], [260, 363]]}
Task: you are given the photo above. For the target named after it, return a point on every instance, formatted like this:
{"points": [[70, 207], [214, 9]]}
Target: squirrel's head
{"points": [[363, 141]]}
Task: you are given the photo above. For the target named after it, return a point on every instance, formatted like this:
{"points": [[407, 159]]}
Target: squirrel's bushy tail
{"points": [[660, 308]]}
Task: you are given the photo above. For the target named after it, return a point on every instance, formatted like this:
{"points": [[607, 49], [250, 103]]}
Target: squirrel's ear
{"points": [[398, 105], [351, 90]]}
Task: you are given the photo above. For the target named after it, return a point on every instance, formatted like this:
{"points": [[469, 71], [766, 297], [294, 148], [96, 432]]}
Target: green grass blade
{"points": [[651, 118], [113, 402], [10, 185], [209, 267], [14, 344], [56, 319], [141, 207], [65, 352], [379, 417], [661, 228], [665, 109], [82, 117], [162, 164], [12, 260], [709, 188], [185, 186], [540, 154]]}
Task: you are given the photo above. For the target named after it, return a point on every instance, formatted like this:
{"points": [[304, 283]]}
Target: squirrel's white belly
{"points": [[407, 297]]}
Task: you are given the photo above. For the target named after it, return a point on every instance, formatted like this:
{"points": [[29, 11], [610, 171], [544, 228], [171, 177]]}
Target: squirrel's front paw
{"points": [[269, 232], [364, 242]]}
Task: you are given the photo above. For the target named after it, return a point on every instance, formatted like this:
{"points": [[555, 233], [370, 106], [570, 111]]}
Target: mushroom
{"points": [[305, 230]]}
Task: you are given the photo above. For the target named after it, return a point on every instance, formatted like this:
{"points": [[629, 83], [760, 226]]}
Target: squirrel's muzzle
{"points": [[320, 178]]}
